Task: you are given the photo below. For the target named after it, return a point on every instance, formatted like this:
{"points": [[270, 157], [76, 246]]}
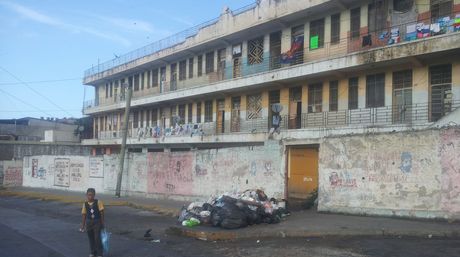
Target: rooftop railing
{"points": [[160, 45]]}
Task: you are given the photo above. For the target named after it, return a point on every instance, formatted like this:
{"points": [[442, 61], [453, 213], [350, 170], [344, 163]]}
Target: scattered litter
{"points": [[233, 211], [430, 236], [258, 241], [156, 241], [147, 233]]}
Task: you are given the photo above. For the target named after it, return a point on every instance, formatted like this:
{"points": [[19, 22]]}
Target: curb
{"points": [[230, 235], [78, 200]]}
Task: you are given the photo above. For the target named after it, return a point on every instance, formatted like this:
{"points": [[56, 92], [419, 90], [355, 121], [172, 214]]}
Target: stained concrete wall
{"points": [[10, 150], [178, 175], [411, 174], [11, 173]]}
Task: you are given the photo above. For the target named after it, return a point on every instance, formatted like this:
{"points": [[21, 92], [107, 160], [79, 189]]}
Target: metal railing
{"points": [[325, 51], [404, 115], [162, 44]]}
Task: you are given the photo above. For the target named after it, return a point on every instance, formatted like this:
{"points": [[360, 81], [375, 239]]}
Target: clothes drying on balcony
{"points": [[297, 45]]}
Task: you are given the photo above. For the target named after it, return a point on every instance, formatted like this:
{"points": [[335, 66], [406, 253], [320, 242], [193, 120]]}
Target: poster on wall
{"points": [[62, 172], [96, 168]]}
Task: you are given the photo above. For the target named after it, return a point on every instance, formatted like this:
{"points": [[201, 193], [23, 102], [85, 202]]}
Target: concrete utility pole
{"points": [[123, 142]]}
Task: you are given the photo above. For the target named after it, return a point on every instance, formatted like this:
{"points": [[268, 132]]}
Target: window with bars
{"points": [[335, 28], [198, 112], [440, 9], [317, 30], [254, 106], [154, 77], [441, 90], [154, 117], [333, 96], [315, 97], [377, 16], [355, 22], [209, 62], [375, 90], [208, 111], [189, 113], [190, 68], [353, 93], [107, 90], [256, 51], [402, 95], [200, 65], [182, 70]]}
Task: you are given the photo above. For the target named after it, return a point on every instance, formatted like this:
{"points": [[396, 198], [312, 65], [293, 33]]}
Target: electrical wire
{"points": [[38, 81], [35, 91], [26, 103]]}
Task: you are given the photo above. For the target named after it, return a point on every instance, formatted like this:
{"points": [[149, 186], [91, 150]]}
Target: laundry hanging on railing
{"points": [[367, 41], [296, 46]]}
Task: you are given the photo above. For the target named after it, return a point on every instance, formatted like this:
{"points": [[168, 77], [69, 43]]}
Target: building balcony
{"points": [[306, 126], [331, 59]]}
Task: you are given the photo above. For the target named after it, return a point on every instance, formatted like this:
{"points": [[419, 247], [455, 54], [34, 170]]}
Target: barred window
{"points": [[335, 28], [208, 111], [355, 22], [353, 93], [182, 70], [315, 97], [254, 106], [375, 90], [333, 95], [256, 51]]}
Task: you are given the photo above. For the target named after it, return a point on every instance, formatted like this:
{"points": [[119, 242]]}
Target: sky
{"points": [[46, 45]]}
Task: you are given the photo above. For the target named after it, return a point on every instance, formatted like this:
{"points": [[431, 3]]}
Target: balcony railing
{"points": [[325, 51], [403, 115]]}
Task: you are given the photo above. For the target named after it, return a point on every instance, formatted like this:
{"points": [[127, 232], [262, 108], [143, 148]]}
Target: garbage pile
{"points": [[231, 211]]}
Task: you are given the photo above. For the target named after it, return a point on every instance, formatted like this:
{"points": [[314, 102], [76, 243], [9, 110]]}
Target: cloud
{"points": [[50, 21]]}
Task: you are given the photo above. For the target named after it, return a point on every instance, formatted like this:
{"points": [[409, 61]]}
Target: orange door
{"points": [[302, 172]]}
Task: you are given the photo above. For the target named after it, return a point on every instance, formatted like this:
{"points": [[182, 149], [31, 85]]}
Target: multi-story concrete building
{"points": [[330, 68]]}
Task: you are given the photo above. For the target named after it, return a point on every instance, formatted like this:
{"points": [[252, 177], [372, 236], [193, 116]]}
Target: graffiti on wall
{"points": [[34, 168], [449, 152], [12, 176], [170, 173], [62, 172], [406, 162], [96, 167], [342, 179], [76, 172]]}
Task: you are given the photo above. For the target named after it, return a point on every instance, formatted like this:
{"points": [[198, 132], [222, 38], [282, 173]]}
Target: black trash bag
{"points": [[233, 217], [207, 207], [216, 216]]}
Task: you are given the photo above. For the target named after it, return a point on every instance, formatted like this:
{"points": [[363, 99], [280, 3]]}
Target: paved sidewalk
{"points": [[299, 224], [161, 206]]}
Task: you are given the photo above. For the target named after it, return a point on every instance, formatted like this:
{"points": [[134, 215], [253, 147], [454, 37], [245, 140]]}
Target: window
{"points": [[335, 28], [209, 62], [190, 68], [182, 70], [402, 96], [355, 22], [315, 97], [135, 119], [333, 95], [208, 111], [317, 34], [190, 113], [136, 82], [256, 51], [182, 113], [154, 77], [111, 89], [353, 93], [198, 112], [141, 118], [297, 44], [440, 8], [149, 79], [375, 90], [254, 106], [107, 90], [173, 80], [402, 5], [154, 117], [200, 66], [441, 90], [142, 81], [377, 16]]}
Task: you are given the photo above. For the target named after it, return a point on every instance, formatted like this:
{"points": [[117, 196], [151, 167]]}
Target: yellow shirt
{"points": [[99, 204]]}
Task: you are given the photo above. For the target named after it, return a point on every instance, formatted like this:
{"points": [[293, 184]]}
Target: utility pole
{"points": [[123, 142]]}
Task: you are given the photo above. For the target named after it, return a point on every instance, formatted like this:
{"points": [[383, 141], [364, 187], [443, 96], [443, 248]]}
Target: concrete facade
{"points": [[409, 174], [11, 173]]}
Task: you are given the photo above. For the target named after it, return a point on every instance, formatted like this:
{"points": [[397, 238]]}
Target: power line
{"points": [[38, 93], [26, 103], [38, 81]]}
